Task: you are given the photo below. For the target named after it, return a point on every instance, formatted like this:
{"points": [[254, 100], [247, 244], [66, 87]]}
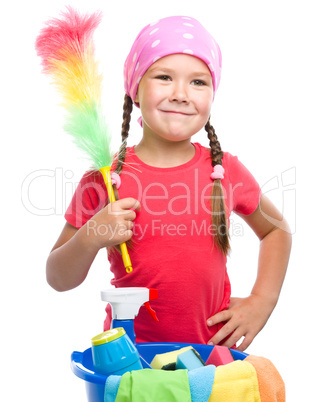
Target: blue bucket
{"points": [[83, 367]]}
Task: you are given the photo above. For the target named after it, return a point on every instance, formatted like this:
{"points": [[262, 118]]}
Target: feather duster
{"points": [[67, 51]]}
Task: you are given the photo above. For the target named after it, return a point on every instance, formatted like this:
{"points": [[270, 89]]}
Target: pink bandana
{"points": [[167, 36]]}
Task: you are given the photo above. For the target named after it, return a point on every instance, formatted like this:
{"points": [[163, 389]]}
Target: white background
{"points": [[264, 112]]}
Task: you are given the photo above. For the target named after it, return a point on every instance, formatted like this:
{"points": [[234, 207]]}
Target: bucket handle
{"points": [[82, 372]]}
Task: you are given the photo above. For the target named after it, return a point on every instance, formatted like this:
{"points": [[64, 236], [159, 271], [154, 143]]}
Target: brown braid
{"points": [[127, 110], [219, 217]]}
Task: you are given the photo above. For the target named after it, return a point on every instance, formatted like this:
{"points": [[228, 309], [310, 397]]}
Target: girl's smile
{"points": [[175, 96]]}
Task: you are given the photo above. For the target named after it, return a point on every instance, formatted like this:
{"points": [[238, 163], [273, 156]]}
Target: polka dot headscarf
{"points": [[167, 36]]}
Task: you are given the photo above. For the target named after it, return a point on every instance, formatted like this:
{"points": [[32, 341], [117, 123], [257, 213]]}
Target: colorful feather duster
{"points": [[67, 51]]}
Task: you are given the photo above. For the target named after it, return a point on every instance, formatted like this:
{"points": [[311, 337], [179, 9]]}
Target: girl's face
{"points": [[175, 96]]}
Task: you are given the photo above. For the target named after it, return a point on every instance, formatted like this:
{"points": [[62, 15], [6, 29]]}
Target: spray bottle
{"points": [[125, 303]]}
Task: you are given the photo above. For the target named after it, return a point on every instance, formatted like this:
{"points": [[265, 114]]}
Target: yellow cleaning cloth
{"points": [[235, 382], [271, 384]]}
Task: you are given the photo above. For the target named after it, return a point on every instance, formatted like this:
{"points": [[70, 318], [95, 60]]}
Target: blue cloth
{"points": [[201, 381], [111, 388]]}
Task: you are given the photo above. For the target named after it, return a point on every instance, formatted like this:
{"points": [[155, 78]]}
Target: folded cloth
{"points": [[160, 385], [254, 379], [235, 382], [149, 385], [271, 384], [201, 382], [111, 388]]}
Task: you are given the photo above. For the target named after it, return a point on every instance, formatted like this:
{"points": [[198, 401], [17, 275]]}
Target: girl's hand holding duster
{"points": [[113, 224]]}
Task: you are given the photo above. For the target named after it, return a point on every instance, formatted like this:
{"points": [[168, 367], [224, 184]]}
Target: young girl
{"points": [[176, 197]]}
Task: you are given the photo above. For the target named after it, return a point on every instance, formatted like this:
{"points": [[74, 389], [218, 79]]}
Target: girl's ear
{"points": [[136, 100]]}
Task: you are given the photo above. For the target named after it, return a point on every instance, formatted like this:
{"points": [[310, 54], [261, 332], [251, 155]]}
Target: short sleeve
{"points": [[245, 192], [89, 198]]}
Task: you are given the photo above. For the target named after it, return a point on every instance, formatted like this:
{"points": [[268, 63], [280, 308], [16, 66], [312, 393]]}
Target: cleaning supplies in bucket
{"points": [[114, 353]]}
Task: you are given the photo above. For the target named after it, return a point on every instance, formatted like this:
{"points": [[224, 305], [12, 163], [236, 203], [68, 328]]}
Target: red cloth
{"points": [[173, 248]]}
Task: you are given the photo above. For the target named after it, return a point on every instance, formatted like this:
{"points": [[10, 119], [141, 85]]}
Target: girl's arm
{"points": [[247, 316], [71, 257]]}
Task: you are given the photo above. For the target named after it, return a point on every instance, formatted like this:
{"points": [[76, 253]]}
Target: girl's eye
{"points": [[198, 82], [163, 77]]}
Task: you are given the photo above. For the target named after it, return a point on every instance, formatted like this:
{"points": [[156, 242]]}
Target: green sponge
{"points": [[167, 361]]}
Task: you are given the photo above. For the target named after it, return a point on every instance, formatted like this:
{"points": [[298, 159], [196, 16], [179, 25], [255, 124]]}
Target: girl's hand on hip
{"points": [[245, 317]]}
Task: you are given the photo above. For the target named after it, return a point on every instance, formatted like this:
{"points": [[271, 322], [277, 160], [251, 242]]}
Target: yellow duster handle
{"points": [[105, 171]]}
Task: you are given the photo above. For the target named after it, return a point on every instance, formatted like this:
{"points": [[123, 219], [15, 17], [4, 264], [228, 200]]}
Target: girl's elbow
{"points": [[53, 282], [53, 279]]}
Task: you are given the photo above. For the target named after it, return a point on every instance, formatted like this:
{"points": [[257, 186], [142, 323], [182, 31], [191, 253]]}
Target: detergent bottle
{"points": [[125, 304], [113, 353]]}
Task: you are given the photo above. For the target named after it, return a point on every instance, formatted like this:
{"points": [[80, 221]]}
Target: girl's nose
{"points": [[179, 93]]}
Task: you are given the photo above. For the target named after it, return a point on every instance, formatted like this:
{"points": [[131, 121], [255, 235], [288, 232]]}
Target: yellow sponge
{"points": [[167, 361]]}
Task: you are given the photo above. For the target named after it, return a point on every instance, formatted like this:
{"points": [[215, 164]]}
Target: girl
{"points": [[176, 197]]}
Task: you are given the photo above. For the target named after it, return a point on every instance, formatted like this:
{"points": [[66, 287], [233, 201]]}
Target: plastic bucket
{"points": [[82, 364]]}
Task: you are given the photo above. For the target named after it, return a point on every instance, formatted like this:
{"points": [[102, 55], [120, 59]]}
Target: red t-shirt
{"points": [[173, 248]]}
